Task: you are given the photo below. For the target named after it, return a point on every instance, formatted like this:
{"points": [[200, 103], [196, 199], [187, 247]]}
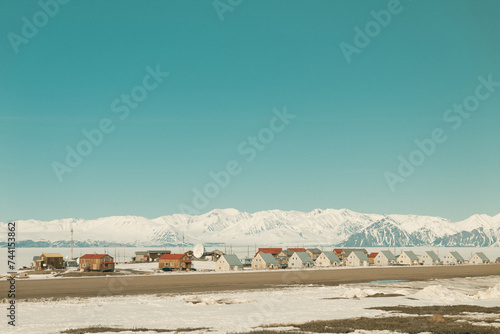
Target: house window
{"points": [[84, 265]]}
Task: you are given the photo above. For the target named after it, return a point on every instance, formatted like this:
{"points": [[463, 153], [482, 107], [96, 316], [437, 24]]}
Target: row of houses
{"points": [[266, 258], [275, 258]]}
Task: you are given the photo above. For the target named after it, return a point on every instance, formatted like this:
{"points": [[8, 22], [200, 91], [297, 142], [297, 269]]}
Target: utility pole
{"points": [[71, 241]]}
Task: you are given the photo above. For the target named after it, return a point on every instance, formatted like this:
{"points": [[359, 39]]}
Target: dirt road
{"points": [[199, 282]]}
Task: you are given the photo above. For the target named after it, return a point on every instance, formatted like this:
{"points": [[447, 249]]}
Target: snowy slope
{"points": [[273, 227]]}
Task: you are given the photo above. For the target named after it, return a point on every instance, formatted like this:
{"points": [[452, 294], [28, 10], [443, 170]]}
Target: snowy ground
{"points": [[244, 310]]}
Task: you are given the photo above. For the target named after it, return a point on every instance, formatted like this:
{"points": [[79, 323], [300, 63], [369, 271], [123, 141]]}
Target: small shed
{"points": [[300, 260], [327, 259], [453, 258], [228, 262], [384, 258], [357, 258], [479, 258], [96, 262], [264, 261]]}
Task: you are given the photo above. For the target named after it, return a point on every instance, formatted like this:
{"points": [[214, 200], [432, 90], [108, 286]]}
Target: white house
{"points": [[408, 258], [429, 258], [453, 258], [357, 258], [300, 260], [327, 259], [384, 258], [228, 262], [479, 258], [264, 261]]}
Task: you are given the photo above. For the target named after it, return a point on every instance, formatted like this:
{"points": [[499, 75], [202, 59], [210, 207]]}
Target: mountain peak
{"points": [[278, 227], [223, 212]]}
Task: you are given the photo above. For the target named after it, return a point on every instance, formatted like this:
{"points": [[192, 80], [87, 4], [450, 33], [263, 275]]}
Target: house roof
{"points": [[432, 255], [482, 256], [297, 250], [348, 251], [35, 258], [372, 255], [388, 254], [52, 255], [273, 251], [331, 256], [233, 260], [338, 250], [457, 256], [141, 253], [268, 258], [411, 255], [360, 255], [288, 252], [304, 257], [315, 250], [93, 256], [172, 256]]}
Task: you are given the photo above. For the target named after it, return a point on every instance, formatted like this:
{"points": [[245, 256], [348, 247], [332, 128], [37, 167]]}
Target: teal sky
{"points": [[353, 120]]}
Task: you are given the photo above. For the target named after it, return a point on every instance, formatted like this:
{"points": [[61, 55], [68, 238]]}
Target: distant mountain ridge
{"points": [[273, 227]]}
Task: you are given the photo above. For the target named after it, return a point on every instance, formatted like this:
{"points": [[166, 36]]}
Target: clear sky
{"points": [[353, 120]]}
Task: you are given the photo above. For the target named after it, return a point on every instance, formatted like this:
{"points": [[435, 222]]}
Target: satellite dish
{"points": [[198, 251]]}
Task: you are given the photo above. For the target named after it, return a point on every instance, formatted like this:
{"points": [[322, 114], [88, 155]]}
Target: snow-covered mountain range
{"points": [[273, 227]]}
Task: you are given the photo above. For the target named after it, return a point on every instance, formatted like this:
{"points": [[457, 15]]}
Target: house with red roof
{"points": [[273, 251], [372, 257], [338, 251], [168, 262], [96, 262], [297, 250]]}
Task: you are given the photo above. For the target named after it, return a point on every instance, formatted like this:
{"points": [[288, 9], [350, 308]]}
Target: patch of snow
{"points": [[493, 292], [441, 294]]}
